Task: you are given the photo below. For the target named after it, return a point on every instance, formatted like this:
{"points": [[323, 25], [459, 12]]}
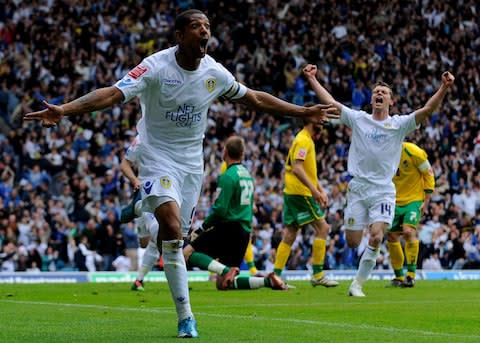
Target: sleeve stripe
{"points": [[232, 92], [424, 166]]}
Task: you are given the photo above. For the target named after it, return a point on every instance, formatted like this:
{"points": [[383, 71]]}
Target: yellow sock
{"points": [[411, 252], [283, 251], [396, 258], [318, 257], [249, 259]]}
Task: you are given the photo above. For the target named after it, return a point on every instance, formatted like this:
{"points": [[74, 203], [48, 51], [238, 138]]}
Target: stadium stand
{"points": [[59, 185]]}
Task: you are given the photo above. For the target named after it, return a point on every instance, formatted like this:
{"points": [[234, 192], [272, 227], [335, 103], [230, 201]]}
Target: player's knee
{"points": [[187, 252], [170, 224], [392, 238], [289, 235], [321, 228], [376, 239], [353, 242], [353, 237], [409, 232], [143, 241]]}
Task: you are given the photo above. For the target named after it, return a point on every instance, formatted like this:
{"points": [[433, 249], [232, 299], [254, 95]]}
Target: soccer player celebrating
{"points": [[375, 149], [176, 86], [302, 196], [226, 230], [414, 182]]}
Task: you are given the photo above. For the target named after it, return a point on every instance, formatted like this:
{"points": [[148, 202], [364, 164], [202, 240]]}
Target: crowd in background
{"points": [[61, 189]]}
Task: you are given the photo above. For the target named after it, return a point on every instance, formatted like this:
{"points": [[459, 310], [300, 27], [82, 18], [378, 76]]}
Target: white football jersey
{"points": [[375, 145], [175, 104]]}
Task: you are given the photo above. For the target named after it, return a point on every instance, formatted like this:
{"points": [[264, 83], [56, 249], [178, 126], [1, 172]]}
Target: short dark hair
{"points": [[183, 19], [302, 121], [384, 84], [235, 147]]}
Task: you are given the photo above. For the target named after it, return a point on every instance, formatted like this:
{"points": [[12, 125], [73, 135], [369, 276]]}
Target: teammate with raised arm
{"points": [[176, 86], [375, 149]]}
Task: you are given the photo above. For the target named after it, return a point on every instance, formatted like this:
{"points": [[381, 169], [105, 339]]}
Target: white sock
{"points": [[138, 208], [176, 273], [253, 281], [150, 257], [216, 267], [367, 263], [256, 282], [152, 226]]}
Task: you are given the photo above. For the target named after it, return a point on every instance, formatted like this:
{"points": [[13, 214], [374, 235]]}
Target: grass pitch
{"points": [[433, 311]]}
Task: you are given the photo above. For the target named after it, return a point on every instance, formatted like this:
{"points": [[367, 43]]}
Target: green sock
{"points": [[242, 282]]}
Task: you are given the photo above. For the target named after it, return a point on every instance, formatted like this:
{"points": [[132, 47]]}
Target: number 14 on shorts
{"points": [[386, 208]]}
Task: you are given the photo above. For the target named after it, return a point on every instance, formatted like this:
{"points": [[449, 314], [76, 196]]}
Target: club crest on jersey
{"points": [[351, 221], [165, 182], [210, 84], [405, 164], [138, 71], [302, 153]]}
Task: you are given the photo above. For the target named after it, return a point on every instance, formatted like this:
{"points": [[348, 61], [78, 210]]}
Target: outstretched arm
{"points": [[423, 113], [265, 102], [310, 73], [93, 101]]}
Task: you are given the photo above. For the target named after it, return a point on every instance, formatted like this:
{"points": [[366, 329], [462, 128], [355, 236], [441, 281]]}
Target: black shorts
{"points": [[226, 242]]}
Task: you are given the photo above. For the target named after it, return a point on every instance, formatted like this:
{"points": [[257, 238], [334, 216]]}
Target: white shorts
{"points": [[368, 203], [182, 187]]}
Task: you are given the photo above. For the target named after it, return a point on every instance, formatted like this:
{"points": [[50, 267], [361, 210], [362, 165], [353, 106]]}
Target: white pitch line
{"points": [[256, 318], [347, 303]]}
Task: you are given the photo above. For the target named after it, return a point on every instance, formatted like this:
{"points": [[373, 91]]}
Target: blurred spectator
{"points": [[49, 260], [86, 259], [432, 262], [131, 245], [122, 263], [8, 257]]}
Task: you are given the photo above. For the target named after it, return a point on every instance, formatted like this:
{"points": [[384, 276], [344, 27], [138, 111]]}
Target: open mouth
{"points": [[203, 43], [379, 100]]}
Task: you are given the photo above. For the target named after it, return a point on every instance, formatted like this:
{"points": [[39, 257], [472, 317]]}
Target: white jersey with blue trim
{"points": [[375, 145], [174, 104]]}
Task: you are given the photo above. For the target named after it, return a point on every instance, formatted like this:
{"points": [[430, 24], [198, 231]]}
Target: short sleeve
{"points": [[136, 79], [233, 88]]}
